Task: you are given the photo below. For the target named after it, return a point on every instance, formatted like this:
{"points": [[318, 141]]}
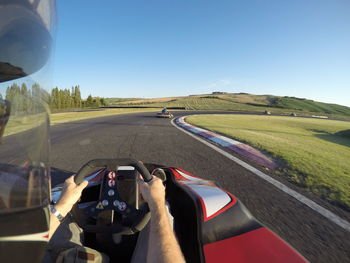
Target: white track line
{"points": [[306, 201]]}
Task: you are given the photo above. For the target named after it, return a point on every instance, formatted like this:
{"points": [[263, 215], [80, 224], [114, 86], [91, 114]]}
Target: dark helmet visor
{"points": [[26, 29], [25, 36]]}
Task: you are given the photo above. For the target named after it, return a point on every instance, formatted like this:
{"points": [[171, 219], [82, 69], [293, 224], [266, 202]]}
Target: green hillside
{"points": [[310, 105], [240, 102], [118, 100]]}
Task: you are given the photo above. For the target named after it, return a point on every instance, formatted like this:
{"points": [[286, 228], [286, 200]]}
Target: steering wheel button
{"points": [[120, 216], [111, 175], [110, 192], [122, 206], [111, 183]]}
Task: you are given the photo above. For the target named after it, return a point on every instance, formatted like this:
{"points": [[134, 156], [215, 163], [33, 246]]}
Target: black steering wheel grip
{"points": [[111, 165]]}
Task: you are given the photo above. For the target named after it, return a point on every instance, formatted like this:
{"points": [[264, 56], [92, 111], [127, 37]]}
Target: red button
{"points": [[111, 175]]}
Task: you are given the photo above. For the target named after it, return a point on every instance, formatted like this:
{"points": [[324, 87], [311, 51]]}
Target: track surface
{"points": [[155, 140]]}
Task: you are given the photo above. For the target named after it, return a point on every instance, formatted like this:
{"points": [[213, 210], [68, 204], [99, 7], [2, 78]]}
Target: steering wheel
{"points": [[110, 199]]}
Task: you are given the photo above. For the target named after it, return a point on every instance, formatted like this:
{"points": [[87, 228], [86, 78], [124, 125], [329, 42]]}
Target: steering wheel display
{"points": [[116, 207]]}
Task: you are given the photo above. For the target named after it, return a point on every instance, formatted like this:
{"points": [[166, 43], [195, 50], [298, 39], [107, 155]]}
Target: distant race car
{"points": [[164, 115]]}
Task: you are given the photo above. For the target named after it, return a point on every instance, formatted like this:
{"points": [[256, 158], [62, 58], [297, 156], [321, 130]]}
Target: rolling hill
{"points": [[238, 102]]}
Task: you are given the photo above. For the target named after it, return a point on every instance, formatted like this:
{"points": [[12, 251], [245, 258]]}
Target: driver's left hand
{"points": [[71, 193]]}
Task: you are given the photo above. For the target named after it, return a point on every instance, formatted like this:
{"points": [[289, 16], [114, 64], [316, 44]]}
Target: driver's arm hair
{"points": [[163, 246]]}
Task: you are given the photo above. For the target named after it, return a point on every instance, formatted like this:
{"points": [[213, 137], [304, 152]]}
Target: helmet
{"points": [[26, 39]]}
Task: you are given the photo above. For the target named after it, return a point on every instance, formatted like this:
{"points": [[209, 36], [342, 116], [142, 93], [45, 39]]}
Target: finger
{"points": [[153, 180], [140, 181], [83, 185], [70, 179]]}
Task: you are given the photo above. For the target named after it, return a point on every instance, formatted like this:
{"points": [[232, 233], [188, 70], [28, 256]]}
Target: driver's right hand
{"points": [[153, 192]]}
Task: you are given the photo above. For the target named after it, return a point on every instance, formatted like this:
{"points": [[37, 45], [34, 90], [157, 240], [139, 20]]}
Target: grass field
{"points": [[313, 153], [19, 124], [309, 105], [243, 102], [119, 100], [73, 116]]}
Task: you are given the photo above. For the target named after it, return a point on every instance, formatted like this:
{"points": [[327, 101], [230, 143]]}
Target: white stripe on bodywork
{"points": [[192, 178], [43, 236], [213, 198]]}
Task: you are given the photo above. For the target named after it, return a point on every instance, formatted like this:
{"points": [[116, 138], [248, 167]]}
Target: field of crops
{"points": [[313, 153]]}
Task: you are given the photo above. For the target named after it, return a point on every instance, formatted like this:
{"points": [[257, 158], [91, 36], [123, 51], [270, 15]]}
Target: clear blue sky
{"points": [[163, 48]]}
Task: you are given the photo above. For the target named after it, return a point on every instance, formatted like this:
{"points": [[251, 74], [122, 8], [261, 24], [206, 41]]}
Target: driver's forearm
{"points": [[54, 222], [163, 246]]}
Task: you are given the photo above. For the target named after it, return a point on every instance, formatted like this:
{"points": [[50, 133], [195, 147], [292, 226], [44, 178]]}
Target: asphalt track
{"points": [[155, 140]]}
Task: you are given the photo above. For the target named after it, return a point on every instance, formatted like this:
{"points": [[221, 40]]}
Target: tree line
{"points": [[22, 98]]}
